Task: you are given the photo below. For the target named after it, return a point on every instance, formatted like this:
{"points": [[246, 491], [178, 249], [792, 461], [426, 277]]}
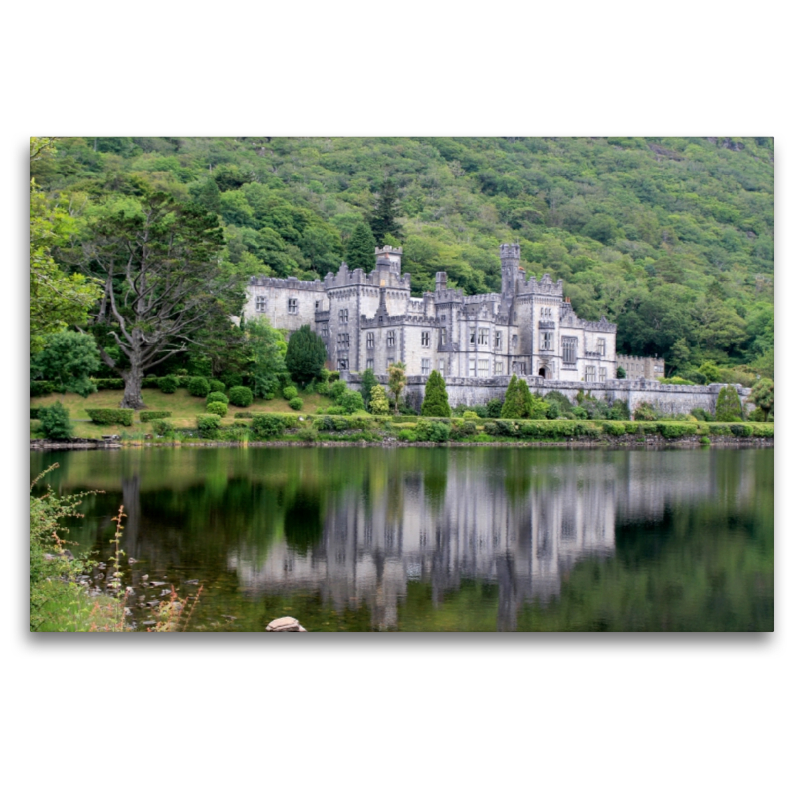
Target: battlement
{"points": [[287, 283], [544, 286], [388, 278]]}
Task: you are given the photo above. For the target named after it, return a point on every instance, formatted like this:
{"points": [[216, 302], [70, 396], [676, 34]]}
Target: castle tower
{"points": [[509, 266], [388, 258]]}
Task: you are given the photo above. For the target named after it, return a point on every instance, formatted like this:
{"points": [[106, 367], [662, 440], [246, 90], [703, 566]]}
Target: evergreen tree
{"points": [[208, 196], [360, 253], [763, 395], [368, 381], [383, 220], [305, 355], [436, 402], [728, 408], [526, 399], [514, 406]]}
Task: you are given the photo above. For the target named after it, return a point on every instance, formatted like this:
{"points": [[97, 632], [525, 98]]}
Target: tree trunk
{"points": [[132, 398]]}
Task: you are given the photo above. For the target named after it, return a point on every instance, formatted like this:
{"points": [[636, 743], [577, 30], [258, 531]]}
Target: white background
{"points": [[618, 716]]}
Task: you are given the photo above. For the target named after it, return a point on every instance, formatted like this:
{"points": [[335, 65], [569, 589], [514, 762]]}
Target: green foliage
{"points": [[645, 412], [621, 373], [268, 426], [728, 407], [111, 416], [296, 403], [216, 397], [241, 396], [368, 382], [198, 387], [54, 421], [216, 386], [383, 221], [360, 253], [710, 371], [379, 402], [67, 359], [701, 414], [515, 406], [336, 390], [763, 396], [168, 384], [215, 407], [163, 427], [148, 416], [674, 430], [432, 431], [208, 425], [397, 382], [351, 401], [267, 358], [494, 407], [435, 403], [289, 392], [305, 355]]}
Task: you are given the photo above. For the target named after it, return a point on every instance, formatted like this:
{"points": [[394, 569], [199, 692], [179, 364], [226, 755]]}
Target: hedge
{"points": [[111, 416], [147, 416], [218, 408], [674, 430], [217, 397], [168, 384], [270, 426], [109, 383], [216, 386], [243, 415], [208, 425], [42, 388]]}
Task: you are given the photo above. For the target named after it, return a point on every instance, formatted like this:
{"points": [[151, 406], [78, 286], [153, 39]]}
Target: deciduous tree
{"points": [[397, 382]]}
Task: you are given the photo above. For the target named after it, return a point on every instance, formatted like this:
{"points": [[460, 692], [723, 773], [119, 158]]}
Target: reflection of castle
{"points": [[523, 539]]}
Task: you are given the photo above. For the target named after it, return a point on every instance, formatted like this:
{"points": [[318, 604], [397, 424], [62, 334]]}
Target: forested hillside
{"points": [[672, 239]]}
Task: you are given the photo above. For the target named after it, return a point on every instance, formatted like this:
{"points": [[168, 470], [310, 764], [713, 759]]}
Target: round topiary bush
{"points": [[290, 392], [241, 396], [217, 397], [215, 407], [215, 386], [295, 403], [168, 384], [198, 387]]}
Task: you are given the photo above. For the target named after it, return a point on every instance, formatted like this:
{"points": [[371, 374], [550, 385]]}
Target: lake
{"points": [[437, 539]]}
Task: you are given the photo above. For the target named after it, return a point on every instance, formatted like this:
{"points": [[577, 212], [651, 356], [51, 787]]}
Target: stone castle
{"points": [[370, 320]]}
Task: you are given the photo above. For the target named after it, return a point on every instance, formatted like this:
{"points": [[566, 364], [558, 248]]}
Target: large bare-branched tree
{"points": [[159, 261]]}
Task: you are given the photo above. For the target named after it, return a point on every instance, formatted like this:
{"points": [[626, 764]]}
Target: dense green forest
{"points": [[670, 238]]}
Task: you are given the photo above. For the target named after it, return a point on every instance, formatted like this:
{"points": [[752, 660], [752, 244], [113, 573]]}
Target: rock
{"points": [[154, 584], [144, 578], [193, 581], [133, 560], [286, 624], [149, 622]]}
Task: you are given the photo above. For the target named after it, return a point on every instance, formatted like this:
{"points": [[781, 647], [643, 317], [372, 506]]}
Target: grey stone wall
{"points": [[668, 399]]}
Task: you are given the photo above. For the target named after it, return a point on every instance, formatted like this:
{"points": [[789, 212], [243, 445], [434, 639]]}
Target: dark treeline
{"points": [[670, 238]]}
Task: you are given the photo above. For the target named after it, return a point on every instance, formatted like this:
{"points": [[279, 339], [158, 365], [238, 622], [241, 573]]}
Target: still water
{"points": [[468, 539]]}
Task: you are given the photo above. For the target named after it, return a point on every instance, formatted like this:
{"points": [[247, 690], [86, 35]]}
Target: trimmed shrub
{"points": [[436, 402], [719, 429], [243, 415], [198, 387], [338, 388], [148, 416], [208, 425], [579, 412], [168, 384], [741, 431], [351, 401], [163, 427], [220, 409], [613, 428], [110, 416], [268, 426], [290, 392], [42, 388], [728, 408], [241, 396], [296, 403], [217, 397], [110, 383], [216, 386], [673, 430], [336, 411], [494, 407], [632, 427], [55, 422], [148, 382], [705, 440], [430, 431]]}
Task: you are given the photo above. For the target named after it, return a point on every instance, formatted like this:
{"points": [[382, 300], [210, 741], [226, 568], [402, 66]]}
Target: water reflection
{"points": [[360, 529]]}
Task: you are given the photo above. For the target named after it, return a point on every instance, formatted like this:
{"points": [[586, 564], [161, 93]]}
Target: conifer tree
{"points": [[514, 406], [383, 220], [360, 253], [305, 355], [526, 400], [728, 408], [436, 402], [367, 382]]}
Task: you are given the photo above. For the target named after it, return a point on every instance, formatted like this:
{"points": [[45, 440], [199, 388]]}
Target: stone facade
{"points": [[637, 367], [369, 320]]}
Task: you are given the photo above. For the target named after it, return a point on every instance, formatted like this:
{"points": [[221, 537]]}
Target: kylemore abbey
{"points": [[370, 320]]}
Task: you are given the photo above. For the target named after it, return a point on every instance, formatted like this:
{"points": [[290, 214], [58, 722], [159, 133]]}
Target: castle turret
{"points": [[441, 281], [509, 263], [388, 258]]}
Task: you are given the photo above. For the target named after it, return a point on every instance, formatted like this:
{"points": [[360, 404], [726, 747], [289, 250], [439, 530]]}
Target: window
{"points": [[261, 303], [343, 339], [590, 373], [547, 313], [324, 333], [343, 316], [472, 335], [426, 366], [483, 336], [441, 366], [472, 372], [569, 349], [370, 363], [514, 340], [601, 346], [483, 368], [426, 338], [316, 305], [547, 340], [292, 305], [390, 339], [603, 373], [342, 363], [498, 367], [442, 337], [498, 340], [370, 341]]}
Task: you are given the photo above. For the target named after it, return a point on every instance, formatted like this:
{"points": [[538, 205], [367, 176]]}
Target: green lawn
{"points": [[183, 406]]}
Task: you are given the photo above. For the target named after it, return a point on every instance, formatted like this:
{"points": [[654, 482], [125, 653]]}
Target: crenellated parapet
{"points": [[544, 286], [347, 278], [269, 282]]}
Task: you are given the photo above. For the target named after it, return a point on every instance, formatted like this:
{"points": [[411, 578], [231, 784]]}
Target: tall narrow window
{"points": [[590, 374], [603, 373], [370, 341], [441, 366], [483, 367], [547, 340], [426, 338], [343, 315], [324, 332], [601, 346], [261, 303], [498, 367], [569, 349], [390, 339], [292, 305], [472, 335], [426, 366], [498, 340], [442, 337], [472, 372], [370, 363], [483, 336]]}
